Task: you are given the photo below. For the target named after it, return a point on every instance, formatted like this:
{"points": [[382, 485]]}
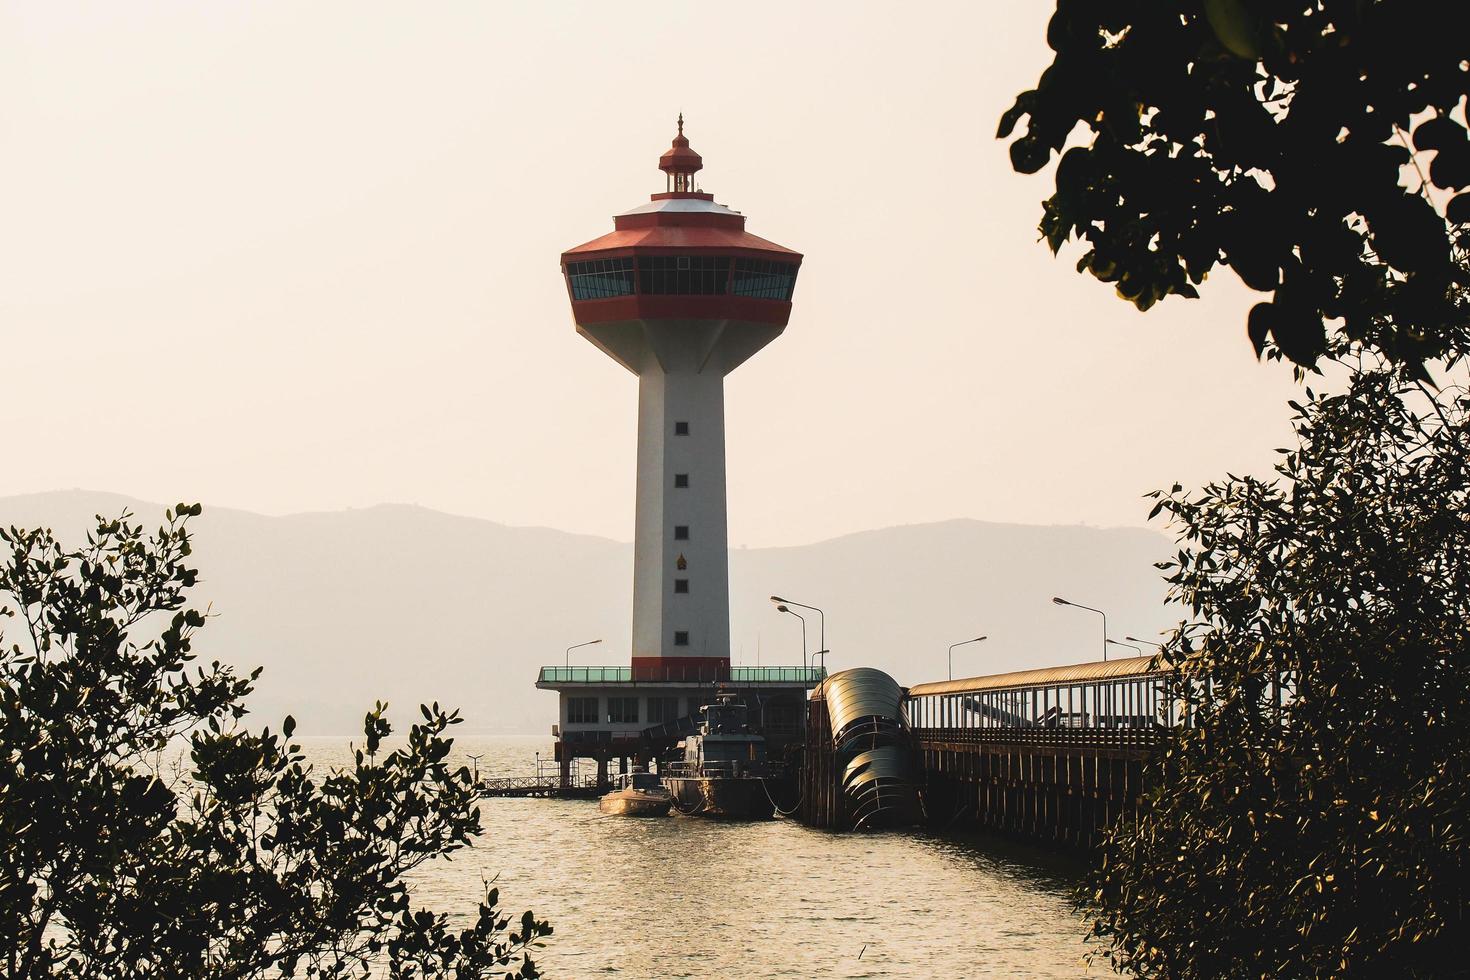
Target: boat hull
{"points": [[721, 797], [623, 804]]}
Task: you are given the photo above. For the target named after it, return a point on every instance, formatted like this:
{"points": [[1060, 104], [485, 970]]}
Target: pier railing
{"points": [[542, 785], [777, 675], [696, 674], [586, 675], [1092, 738], [728, 768]]}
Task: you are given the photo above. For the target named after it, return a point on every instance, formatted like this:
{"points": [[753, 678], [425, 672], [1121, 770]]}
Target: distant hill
{"points": [[408, 605]]}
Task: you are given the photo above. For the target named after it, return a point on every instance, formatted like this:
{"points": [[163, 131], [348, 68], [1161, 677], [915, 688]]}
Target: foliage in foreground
{"points": [[243, 862], [1326, 836], [1298, 141]]}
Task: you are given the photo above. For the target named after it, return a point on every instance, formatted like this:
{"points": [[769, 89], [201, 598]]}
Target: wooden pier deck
{"points": [[546, 786]]}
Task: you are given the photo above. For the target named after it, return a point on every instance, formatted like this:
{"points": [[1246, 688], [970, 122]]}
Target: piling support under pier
{"points": [[822, 802], [1060, 794]]}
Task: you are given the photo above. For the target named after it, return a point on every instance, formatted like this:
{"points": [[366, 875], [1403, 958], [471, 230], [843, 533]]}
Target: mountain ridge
{"points": [[404, 603], [390, 505]]}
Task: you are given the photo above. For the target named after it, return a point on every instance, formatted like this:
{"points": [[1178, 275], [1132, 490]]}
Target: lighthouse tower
{"points": [[680, 294]]}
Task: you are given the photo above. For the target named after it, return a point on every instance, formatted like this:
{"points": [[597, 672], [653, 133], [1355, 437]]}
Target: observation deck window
{"points": [[683, 275], [601, 278], [763, 279]]}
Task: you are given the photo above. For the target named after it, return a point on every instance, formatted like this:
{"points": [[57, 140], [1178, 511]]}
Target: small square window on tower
{"points": [[681, 585], [681, 532], [681, 481], [681, 638], [681, 428]]}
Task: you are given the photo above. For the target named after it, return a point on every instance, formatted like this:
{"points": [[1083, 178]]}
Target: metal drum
{"points": [[879, 783], [865, 708], [871, 738]]}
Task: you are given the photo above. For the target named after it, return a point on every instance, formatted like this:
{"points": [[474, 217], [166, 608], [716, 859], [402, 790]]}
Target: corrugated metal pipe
{"points": [[870, 735]]}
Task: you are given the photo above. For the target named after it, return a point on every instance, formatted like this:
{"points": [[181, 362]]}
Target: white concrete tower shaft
{"points": [[680, 294], [681, 587]]}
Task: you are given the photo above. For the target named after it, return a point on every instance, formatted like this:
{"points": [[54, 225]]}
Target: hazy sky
{"points": [[298, 256]]}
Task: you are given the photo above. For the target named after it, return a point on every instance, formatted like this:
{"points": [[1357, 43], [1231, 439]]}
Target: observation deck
{"points": [[680, 257]]}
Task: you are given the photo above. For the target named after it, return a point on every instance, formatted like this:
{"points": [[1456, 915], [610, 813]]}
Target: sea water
{"points": [[686, 897]]}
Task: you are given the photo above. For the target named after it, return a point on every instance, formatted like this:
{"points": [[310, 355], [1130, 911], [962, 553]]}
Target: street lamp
{"points": [[475, 759], [1067, 602], [822, 621], [575, 646], [960, 644], [1137, 650], [1149, 642], [782, 607]]}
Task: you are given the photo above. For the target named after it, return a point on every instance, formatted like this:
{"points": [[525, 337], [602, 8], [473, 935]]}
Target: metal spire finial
{"points": [[681, 123]]}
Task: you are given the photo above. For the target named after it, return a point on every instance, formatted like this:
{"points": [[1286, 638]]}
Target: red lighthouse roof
{"points": [[681, 217], [680, 162]]}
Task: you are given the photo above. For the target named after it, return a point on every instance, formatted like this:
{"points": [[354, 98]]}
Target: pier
{"points": [[1055, 755], [550, 779], [583, 787]]}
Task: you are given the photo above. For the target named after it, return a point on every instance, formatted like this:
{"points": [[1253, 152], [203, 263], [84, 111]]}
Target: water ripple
{"points": [[692, 898]]}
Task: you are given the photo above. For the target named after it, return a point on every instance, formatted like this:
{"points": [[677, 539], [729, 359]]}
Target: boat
{"points": [[723, 770], [638, 794]]}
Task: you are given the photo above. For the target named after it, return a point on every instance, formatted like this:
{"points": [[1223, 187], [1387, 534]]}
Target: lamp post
{"points": [[1136, 649], [1149, 642], [960, 644], [475, 761], [782, 607], [575, 646], [1067, 602], [822, 621]]}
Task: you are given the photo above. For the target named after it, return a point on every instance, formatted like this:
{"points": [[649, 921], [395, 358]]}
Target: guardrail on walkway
{"points": [[675, 674], [536, 785], [1091, 738]]}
